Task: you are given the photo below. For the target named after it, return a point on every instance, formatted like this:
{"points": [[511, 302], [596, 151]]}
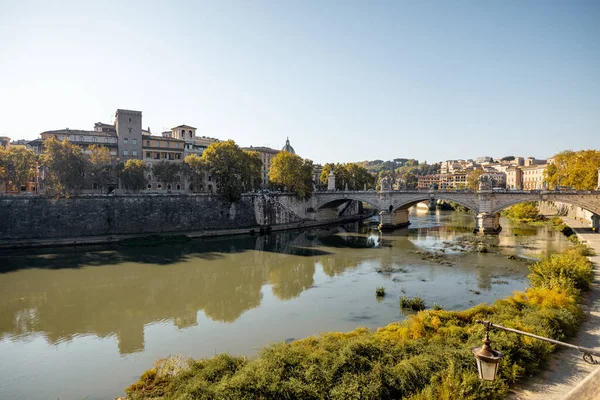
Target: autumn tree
{"points": [[228, 163], [64, 165], [133, 175], [575, 169], [17, 167], [291, 171], [194, 167], [100, 167], [473, 179], [167, 172], [353, 175]]}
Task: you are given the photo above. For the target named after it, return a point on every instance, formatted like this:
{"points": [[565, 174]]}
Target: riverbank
{"points": [[427, 356], [108, 239], [566, 369]]}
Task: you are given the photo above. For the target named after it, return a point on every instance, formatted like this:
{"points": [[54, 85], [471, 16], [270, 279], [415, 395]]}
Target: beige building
{"points": [[514, 178], [4, 142], [533, 177]]}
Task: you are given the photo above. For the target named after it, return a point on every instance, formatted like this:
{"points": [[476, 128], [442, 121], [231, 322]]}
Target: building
{"points": [[429, 181], [514, 178], [485, 159], [4, 142], [288, 147], [533, 177]]}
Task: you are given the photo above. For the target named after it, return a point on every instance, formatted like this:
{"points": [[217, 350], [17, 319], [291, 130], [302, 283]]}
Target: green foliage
{"points": [[234, 169], [292, 172], [380, 291], [574, 169], [413, 303], [570, 269], [354, 175], [524, 212], [194, 167], [99, 166], [64, 165], [133, 174], [17, 167], [167, 172], [425, 357]]}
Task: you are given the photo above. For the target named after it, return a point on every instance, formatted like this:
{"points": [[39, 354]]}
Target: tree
{"points": [[64, 166], [133, 175], [473, 179], [99, 165], [251, 177], [194, 167], [291, 171], [167, 172], [18, 166], [575, 169], [228, 164]]}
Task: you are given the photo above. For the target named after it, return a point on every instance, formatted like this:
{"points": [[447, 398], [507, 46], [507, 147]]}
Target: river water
{"points": [[81, 323]]}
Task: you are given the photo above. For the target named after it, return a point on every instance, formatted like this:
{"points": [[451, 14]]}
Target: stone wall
{"points": [[35, 217]]}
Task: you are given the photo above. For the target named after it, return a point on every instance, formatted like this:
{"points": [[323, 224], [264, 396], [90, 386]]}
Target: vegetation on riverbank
{"points": [[427, 356], [524, 212]]}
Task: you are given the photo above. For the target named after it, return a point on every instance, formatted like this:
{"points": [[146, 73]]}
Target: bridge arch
{"points": [[468, 205], [342, 199]]}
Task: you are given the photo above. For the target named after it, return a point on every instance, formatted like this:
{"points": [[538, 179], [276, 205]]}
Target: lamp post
{"points": [[488, 359]]}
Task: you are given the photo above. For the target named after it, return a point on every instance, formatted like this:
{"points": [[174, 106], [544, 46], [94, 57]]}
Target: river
{"points": [[85, 322]]}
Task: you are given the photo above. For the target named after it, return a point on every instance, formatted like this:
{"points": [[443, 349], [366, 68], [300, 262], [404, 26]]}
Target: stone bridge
{"points": [[393, 205]]}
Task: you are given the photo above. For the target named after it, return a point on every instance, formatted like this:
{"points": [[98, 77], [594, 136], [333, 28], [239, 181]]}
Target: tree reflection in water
{"points": [[118, 290]]}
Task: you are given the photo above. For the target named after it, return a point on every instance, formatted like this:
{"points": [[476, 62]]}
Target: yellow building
{"points": [[533, 177]]}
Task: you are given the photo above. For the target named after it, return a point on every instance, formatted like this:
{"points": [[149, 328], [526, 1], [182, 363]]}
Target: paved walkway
{"points": [[566, 367]]}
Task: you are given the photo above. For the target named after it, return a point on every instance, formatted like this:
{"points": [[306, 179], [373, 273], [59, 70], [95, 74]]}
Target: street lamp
{"points": [[488, 359]]}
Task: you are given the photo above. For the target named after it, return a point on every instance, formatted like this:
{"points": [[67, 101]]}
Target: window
{"points": [[125, 141], [169, 187], [129, 121], [148, 155], [159, 186], [157, 143], [149, 186], [178, 186], [168, 144], [129, 130], [94, 139], [209, 178], [134, 153], [125, 153], [106, 140], [134, 141], [95, 186], [177, 145], [81, 138], [190, 134], [147, 143], [149, 177]]}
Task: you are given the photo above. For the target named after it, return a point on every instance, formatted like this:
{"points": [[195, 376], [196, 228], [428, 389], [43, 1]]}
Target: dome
{"points": [[288, 147]]}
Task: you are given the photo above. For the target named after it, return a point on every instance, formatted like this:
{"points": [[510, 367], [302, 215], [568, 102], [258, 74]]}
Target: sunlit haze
{"points": [[344, 80]]}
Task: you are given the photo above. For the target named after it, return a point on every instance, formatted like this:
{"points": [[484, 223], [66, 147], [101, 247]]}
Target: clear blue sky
{"points": [[345, 80]]}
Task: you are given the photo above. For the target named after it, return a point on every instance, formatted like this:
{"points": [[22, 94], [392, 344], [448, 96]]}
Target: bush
{"points": [[413, 303], [425, 357], [524, 212], [380, 291]]}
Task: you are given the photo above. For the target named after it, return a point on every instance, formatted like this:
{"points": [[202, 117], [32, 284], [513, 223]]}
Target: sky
{"points": [[344, 80]]}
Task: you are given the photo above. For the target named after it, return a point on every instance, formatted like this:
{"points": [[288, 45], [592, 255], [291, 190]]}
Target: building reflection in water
{"points": [[118, 290]]}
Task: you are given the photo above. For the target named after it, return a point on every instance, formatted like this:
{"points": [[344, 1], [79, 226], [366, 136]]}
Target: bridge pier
{"points": [[486, 224], [392, 220], [432, 204]]}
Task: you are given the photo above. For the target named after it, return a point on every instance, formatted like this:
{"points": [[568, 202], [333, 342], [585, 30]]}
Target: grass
{"points": [[425, 357], [412, 303], [380, 291]]}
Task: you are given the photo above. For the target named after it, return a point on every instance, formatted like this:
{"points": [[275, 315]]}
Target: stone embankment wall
{"points": [[32, 217], [565, 209]]}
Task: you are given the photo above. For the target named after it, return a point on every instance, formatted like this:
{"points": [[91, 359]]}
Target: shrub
{"points": [[380, 291], [413, 303]]}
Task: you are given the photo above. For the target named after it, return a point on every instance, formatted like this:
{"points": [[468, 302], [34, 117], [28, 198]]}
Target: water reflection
{"points": [[121, 289]]}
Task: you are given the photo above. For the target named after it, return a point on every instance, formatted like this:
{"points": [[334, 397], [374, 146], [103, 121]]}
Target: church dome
{"points": [[288, 147]]}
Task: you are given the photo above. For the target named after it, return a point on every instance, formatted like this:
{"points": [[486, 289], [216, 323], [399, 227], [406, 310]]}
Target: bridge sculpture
{"points": [[393, 205]]}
